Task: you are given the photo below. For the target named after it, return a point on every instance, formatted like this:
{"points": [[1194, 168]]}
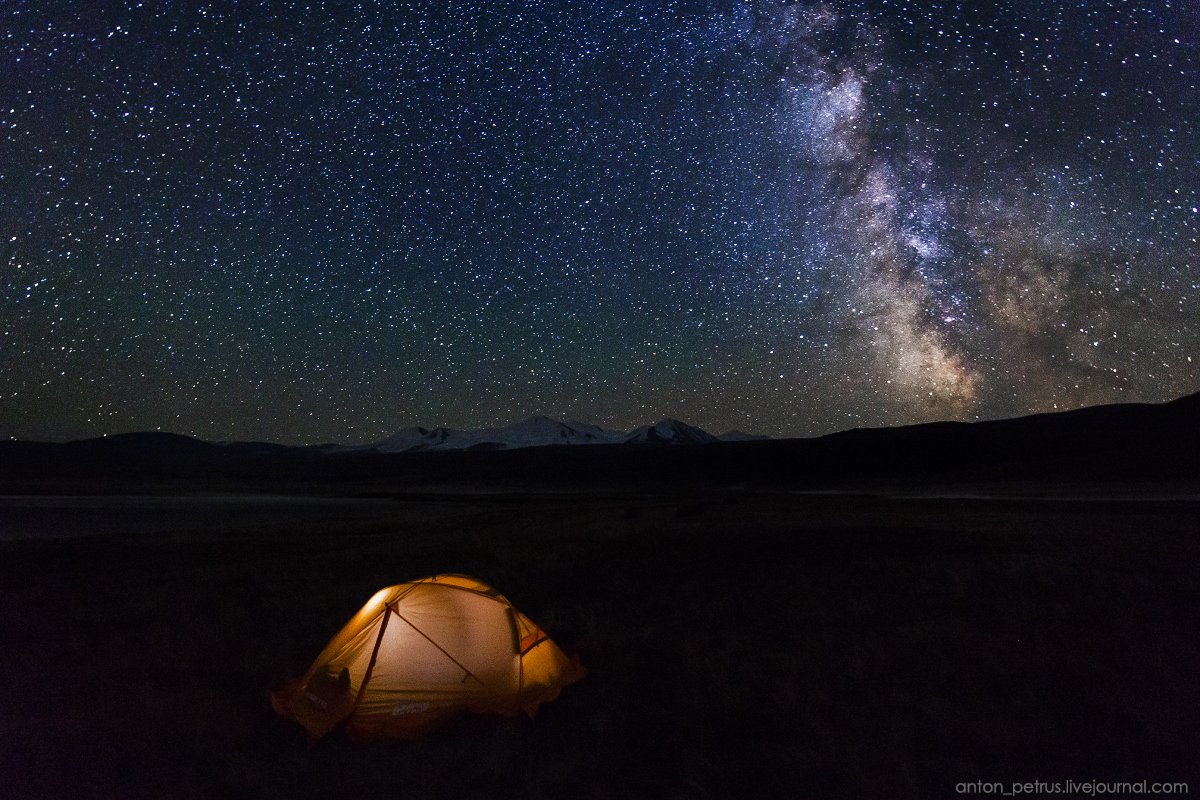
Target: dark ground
{"points": [[739, 644]]}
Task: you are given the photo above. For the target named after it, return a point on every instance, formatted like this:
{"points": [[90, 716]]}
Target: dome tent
{"points": [[420, 652]]}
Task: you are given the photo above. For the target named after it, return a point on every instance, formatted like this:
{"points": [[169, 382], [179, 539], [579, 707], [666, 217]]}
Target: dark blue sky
{"points": [[309, 222]]}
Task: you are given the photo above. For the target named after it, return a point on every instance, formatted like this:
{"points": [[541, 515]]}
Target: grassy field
{"points": [[739, 644]]}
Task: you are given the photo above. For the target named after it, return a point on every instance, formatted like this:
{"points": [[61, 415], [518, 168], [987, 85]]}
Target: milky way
{"points": [[311, 222]]}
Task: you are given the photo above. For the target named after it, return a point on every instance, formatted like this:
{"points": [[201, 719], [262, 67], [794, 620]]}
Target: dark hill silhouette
{"points": [[1127, 443]]}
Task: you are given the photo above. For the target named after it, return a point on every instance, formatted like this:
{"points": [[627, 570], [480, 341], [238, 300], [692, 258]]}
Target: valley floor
{"points": [[739, 643]]}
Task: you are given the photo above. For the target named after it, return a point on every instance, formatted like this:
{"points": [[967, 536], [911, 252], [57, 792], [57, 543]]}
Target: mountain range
{"points": [[542, 432], [1121, 447]]}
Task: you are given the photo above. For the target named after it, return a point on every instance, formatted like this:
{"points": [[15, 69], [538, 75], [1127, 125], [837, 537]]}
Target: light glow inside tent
{"points": [[420, 652]]}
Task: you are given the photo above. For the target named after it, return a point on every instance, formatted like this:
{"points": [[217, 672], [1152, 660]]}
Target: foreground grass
{"points": [[739, 645]]}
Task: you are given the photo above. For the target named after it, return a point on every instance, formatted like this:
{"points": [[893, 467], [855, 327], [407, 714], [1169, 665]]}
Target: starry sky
{"points": [[308, 222]]}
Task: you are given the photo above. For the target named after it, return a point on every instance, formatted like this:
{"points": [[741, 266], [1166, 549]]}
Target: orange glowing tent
{"points": [[420, 652]]}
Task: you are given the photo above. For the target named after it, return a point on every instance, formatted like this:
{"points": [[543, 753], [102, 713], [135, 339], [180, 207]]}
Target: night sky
{"points": [[308, 222]]}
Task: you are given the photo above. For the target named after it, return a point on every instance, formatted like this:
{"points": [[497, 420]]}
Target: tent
{"points": [[420, 652]]}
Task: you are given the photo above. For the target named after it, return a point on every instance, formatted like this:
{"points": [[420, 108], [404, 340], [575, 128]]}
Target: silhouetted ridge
{"points": [[1130, 443]]}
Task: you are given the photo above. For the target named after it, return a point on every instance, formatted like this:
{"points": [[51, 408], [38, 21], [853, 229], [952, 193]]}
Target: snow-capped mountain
{"points": [[533, 432], [669, 431], [542, 432], [599, 435]]}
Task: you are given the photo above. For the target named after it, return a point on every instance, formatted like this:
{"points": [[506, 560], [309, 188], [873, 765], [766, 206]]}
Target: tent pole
{"points": [[371, 664], [457, 663], [516, 635]]}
